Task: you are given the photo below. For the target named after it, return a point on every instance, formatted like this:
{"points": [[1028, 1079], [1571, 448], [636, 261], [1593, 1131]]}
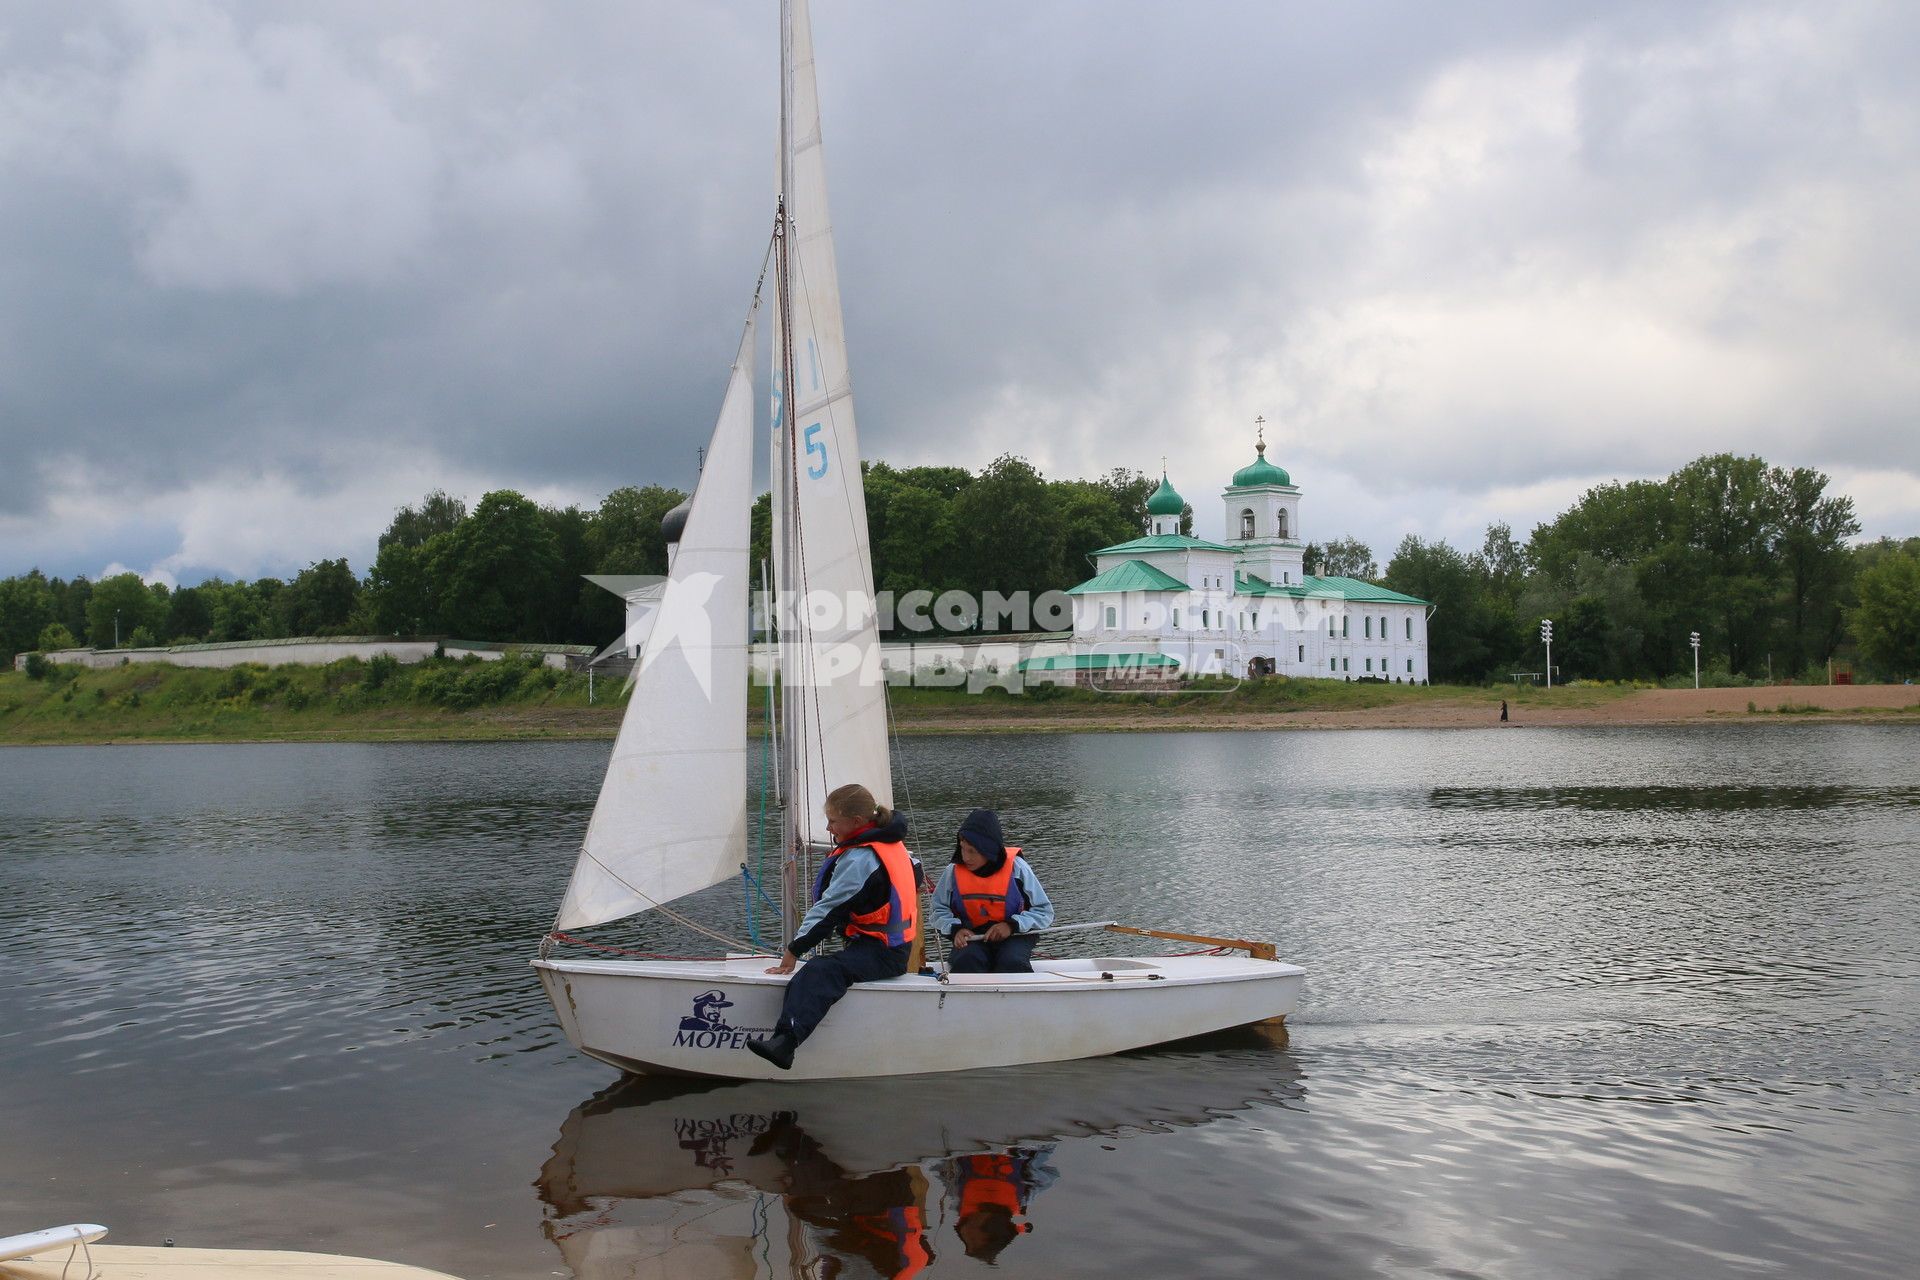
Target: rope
{"points": [[558, 936], [79, 1247]]}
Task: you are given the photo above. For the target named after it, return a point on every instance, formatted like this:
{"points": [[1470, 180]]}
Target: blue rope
{"points": [[746, 902]]}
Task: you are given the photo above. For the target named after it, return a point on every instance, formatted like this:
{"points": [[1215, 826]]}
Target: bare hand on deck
{"points": [[786, 963]]}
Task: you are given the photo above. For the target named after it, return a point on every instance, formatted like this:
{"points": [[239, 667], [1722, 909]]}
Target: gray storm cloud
{"points": [[1465, 262]]}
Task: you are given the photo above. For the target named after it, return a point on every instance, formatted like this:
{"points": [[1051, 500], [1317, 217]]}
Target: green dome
{"points": [[1260, 471], [1165, 502]]}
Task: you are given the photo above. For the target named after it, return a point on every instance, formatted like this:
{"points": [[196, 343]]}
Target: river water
{"points": [[1609, 1002]]}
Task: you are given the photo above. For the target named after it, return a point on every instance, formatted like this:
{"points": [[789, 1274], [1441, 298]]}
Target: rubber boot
{"points": [[777, 1048]]}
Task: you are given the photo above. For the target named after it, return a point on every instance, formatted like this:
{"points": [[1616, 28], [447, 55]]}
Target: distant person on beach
{"points": [[868, 890], [989, 901], [1503, 711]]}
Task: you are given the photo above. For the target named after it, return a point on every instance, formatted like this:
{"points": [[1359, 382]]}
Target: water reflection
{"points": [[864, 1178]]}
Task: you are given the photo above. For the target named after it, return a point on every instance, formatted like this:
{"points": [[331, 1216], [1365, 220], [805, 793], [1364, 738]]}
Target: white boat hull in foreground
{"points": [[658, 1017]]}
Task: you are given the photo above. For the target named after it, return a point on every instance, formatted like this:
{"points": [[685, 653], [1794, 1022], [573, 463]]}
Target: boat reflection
{"points": [[858, 1177]]}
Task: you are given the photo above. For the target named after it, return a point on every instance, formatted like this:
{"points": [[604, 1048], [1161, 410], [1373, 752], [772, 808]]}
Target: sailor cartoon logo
{"points": [[706, 1026]]}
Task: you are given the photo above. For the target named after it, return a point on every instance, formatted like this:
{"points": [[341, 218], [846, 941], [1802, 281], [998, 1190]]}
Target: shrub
{"points": [[380, 669], [55, 636], [37, 667], [296, 699]]}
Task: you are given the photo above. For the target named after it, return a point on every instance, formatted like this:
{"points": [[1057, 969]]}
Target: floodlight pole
{"points": [[1546, 634], [1693, 638]]}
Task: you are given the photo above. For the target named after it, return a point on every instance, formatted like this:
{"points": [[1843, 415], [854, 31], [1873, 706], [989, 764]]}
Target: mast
{"points": [[784, 507]]}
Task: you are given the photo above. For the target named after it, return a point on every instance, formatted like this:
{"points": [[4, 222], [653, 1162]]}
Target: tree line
{"points": [[510, 569], [1759, 559]]}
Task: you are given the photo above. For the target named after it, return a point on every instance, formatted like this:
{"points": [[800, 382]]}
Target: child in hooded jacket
{"points": [[989, 901]]}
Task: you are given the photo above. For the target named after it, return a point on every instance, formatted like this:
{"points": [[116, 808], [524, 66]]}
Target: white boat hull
{"points": [[694, 1018]]}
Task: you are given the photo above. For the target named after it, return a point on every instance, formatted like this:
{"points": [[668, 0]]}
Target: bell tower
{"points": [[1263, 518]]}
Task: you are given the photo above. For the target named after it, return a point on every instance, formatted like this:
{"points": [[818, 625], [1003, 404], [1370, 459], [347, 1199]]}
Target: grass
{"points": [[346, 700], [467, 700]]}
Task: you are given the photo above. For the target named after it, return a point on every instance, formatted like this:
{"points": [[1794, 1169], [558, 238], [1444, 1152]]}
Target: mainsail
{"points": [[836, 711], [672, 818]]}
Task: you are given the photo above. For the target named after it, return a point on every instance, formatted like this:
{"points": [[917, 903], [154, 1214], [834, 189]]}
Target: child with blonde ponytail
{"points": [[868, 892]]}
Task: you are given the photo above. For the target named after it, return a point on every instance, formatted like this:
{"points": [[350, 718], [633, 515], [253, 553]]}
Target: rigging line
{"points": [[653, 905]]}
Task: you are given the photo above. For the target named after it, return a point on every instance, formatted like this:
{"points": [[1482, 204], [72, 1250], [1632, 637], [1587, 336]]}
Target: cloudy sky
{"points": [[269, 271]]}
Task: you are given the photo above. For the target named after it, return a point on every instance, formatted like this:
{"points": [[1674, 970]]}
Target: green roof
{"points": [[1350, 589], [1165, 502], [1260, 471], [1129, 575], [1162, 542], [1098, 661]]}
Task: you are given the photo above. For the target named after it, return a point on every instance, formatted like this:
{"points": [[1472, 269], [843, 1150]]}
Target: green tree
{"points": [[1457, 640], [233, 610], [624, 535], [1581, 643], [402, 597], [70, 604], [1810, 548], [321, 600], [1008, 530], [55, 636], [499, 566], [438, 512], [137, 607], [1887, 620], [1724, 522], [189, 618], [26, 607], [1347, 558]]}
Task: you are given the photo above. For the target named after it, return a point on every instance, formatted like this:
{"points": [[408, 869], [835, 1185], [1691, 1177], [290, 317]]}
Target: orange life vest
{"points": [[905, 1230], [981, 901], [990, 1180], [892, 922]]}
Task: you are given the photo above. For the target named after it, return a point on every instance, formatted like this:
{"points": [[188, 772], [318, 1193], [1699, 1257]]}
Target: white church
{"points": [[1170, 604]]}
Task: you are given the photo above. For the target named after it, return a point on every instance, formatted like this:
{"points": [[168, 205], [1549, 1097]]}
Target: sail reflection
{"points": [[861, 1178]]}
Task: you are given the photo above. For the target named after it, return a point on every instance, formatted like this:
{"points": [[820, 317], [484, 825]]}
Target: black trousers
{"points": [[824, 979], [1011, 955]]}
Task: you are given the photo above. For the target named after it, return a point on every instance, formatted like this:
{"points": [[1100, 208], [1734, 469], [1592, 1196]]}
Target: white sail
{"points": [[838, 710], [672, 815]]}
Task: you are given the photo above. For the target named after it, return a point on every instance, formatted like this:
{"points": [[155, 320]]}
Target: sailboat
{"points": [[671, 818]]}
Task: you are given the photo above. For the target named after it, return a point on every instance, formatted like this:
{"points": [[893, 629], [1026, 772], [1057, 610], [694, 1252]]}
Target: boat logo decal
{"points": [[706, 1026]]}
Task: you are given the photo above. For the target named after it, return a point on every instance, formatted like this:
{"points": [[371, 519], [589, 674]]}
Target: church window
{"points": [[1409, 666], [1176, 619], [1111, 623], [1283, 522], [1206, 619], [1409, 626], [1369, 622], [1303, 654], [1383, 626], [1333, 664], [1343, 628], [1246, 523], [1346, 664], [1286, 577]]}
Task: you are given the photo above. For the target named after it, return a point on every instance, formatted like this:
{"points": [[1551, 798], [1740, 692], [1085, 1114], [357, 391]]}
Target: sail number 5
{"points": [[814, 446]]}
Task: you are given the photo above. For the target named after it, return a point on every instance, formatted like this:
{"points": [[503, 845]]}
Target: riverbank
{"points": [[455, 702]]}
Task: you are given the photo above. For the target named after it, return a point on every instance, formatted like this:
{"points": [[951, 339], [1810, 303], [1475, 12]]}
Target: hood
{"points": [[893, 829], [982, 831]]}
